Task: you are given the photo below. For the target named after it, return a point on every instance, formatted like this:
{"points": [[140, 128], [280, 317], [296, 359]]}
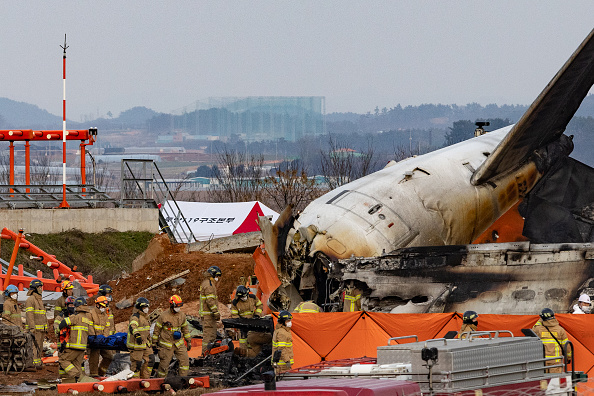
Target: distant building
{"points": [[255, 118]]}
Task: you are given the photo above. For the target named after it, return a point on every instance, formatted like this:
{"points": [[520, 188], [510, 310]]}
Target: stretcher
{"points": [[131, 385]]}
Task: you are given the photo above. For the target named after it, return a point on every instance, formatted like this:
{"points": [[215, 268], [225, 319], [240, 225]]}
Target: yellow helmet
{"points": [[66, 285]]}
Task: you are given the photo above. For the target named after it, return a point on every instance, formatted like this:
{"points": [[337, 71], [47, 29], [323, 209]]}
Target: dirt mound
{"points": [[157, 246], [174, 260]]}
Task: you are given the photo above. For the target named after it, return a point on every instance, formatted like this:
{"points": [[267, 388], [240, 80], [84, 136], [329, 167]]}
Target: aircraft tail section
{"points": [[547, 117]]}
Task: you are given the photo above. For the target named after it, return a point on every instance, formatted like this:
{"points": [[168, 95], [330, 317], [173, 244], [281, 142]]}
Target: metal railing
{"points": [[142, 183], [21, 196]]}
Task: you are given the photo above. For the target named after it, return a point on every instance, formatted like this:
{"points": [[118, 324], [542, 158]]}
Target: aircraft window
{"points": [[374, 209], [524, 295], [469, 167], [337, 196]]}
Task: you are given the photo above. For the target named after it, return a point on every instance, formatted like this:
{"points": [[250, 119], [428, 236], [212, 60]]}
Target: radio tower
{"points": [[64, 204]]}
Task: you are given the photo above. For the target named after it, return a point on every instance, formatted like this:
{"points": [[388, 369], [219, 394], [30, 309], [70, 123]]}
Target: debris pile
{"points": [[173, 260]]}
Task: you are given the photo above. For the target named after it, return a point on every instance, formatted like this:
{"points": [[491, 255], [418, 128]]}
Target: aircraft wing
{"points": [[547, 117]]}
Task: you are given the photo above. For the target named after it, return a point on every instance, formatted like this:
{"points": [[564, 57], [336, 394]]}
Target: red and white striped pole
{"points": [[64, 204]]}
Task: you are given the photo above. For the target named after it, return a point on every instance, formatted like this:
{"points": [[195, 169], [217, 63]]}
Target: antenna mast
{"points": [[64, 204]]}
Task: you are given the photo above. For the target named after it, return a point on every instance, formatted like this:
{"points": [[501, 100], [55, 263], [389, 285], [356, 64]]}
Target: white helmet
{"points": [[584, 298]]}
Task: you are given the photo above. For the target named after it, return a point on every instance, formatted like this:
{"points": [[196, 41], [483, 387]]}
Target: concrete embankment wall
{"points": [[48, 221]]}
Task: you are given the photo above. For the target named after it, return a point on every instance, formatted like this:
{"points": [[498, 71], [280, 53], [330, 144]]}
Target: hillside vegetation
{"points": [[103, 255]]}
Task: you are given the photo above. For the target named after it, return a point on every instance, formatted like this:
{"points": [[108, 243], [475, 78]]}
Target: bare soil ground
{"points": [[49, 372], [236, 268]]}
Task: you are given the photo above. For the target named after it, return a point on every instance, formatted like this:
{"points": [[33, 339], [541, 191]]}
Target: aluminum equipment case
{"points": [[471, 362]]}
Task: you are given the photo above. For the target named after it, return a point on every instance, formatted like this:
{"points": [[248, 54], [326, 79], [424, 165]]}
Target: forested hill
{"points": [[426, 116]]}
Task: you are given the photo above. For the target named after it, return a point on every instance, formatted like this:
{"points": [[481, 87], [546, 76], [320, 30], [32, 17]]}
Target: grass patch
{"points": [[104, 255]]}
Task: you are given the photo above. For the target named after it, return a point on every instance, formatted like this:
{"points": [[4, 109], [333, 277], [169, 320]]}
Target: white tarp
{"points": [[214, 220]]}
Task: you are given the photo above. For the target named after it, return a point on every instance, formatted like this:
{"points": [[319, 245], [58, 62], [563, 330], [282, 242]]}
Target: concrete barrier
{"points": [[49, 221], [238, 243]]}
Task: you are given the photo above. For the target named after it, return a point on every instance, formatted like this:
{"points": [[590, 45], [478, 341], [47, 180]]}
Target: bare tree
{"points": [[341, 164], [103, 178], [178, 185], [290, 186], [42, 173], [238, 178], [4, 171]]}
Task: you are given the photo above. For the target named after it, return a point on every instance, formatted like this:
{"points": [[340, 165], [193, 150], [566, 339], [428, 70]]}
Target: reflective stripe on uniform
{"points": [[76, 346], [353, 301], [282, 344], [283, 363]]}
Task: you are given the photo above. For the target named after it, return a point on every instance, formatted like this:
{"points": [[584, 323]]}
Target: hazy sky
{"points": [[166, 55]]}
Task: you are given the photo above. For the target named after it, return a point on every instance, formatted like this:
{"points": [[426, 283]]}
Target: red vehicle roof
{"points": [[331, 386]]}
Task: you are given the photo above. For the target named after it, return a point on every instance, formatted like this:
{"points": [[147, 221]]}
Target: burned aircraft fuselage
{"points": [[421, 201], [506, 278], [446, 197]]}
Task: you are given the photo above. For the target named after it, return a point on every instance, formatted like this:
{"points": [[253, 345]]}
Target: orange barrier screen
{"points": [[341, 335]]}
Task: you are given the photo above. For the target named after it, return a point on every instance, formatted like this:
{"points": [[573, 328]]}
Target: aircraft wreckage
{"points": [[404, 234]]}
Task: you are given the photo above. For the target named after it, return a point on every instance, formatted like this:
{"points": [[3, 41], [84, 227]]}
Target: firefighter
{"points": [[63, 334], [168, 337], [469, 323], [73, 351], [307, 307], [67, 289], [11, 313], [138, 341], [553, 337], [352, 299], [583, 305], [107, 292], [247, 305], [282, 344], [102, 326], [209, 309], [64, 313], [36, 320]]}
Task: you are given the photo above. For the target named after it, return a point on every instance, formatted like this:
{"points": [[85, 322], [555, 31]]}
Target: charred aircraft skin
{"points": [[506, 278], [422, 201], [444, 198]]}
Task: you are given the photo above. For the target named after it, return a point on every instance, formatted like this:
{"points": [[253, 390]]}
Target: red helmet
{"points": [[176, 301]]}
